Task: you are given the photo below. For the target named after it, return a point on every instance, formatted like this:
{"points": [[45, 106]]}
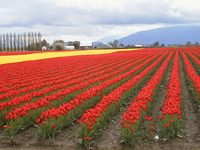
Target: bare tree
{"points": [[25, 41], [22, 42], [4, 42], [1, 43], [29, 38], [36, 38], [11, 42], [7, 42], [15, 42], [18, 42], [39, 37], [33, 41]]}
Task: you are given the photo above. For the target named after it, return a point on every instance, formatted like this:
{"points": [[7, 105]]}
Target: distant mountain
{"points": [[166, 35]]}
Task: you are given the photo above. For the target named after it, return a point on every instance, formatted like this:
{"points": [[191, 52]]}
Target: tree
{"points": [[188, 43], [11, 43], [7, 42], [39, 37], [18, 42], [25, 41], [162, 45], [33, 40], [76, 44], [15, 42], [58, 45], [1, 43], [58, 41], [22, 42], [29, 38], [156, 44], [4, 42], [196, 44], [44, 43], [30, 47]]}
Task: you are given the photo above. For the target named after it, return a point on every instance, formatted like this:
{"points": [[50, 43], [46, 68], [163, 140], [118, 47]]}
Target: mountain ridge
{"points": [[164, 35]]}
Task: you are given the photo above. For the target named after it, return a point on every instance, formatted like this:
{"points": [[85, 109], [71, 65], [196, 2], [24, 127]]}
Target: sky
{"points": [[91, 20]]}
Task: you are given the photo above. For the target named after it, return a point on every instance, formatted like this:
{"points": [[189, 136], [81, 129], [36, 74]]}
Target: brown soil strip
{"points": [[190, 119], [160, 97], [27, 140], [110, 138]]}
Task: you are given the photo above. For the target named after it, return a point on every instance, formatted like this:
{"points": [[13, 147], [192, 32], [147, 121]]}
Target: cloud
{"points": [[91, 20], [77, 12]]}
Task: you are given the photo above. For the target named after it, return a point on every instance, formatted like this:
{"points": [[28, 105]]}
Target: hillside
{"points": [[166, 35]]}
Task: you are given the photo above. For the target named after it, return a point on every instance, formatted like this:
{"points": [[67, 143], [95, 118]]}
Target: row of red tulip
{"points": [[63, 77], [47, 66], [77, 85], [137, 111], [193, 76], [95, 90], [63, 83], [47, 102], [171, 110], [93, 119], [45, 75], [196, 53], [83, 100], [196, 60]]}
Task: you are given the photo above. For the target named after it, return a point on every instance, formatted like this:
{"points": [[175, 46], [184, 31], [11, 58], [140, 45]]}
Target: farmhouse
{"points": [[69, 47], [86, 47]]}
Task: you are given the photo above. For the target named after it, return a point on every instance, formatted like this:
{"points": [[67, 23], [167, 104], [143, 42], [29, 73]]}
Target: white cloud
{"points": [[86, 34], [91, 20]]}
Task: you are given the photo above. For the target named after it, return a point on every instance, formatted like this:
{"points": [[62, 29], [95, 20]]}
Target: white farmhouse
{"points": [[138, 45], [69, 47], [44, 48]]}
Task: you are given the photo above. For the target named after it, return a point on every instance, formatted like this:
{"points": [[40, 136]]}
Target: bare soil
{"points": [[191, 119]]}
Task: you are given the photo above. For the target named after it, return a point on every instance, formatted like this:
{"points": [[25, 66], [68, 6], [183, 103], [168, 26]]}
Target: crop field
{"points": [[101, 99]]}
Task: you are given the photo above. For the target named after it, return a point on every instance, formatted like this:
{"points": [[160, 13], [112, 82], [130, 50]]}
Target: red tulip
{"points": [[5, 127], [167, 125], [87, 138], [53, 125]]}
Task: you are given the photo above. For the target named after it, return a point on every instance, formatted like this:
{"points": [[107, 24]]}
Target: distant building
{"points": [[69, 47], [76, 44], [99, 45], [44, 48], [69, 43], [86, 47], [138, 45]]}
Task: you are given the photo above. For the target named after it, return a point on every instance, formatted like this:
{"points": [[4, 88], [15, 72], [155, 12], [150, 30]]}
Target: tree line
{"points": [[30, 41]]}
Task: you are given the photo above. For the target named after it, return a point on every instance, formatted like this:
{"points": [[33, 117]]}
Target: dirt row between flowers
{"points": [[191, 119]]}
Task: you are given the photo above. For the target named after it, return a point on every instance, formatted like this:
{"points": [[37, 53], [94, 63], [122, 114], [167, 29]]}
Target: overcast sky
{"points": [[90, 20]]}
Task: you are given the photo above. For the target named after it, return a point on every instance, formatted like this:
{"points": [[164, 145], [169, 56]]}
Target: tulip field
{"points": [[112, 99]]}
